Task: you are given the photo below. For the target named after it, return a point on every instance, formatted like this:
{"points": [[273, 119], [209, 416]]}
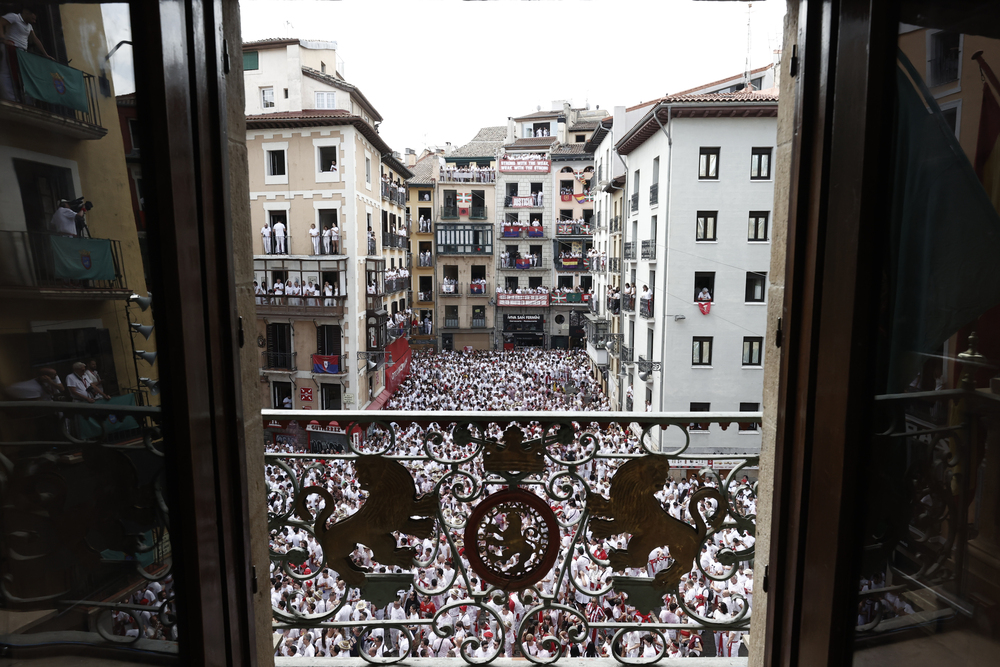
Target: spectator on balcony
{"points": [[371, 241], [77, 384], [646, 294], [428, 325], [64, 220], [94, 378], [326, 240], [314, 237], [704, 295], [265, 235], [259, 292], [18, 34], [45, 387], [279, 237], [278, 288]]}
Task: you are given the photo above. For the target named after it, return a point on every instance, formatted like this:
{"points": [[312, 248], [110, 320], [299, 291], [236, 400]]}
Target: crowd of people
{"points": [[469, 174], [396, 188], [292, 293], [424, 225], [447, 592], [509, 260]]}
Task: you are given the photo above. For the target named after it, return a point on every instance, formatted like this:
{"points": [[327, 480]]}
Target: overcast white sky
{"points": [[438, 70]]}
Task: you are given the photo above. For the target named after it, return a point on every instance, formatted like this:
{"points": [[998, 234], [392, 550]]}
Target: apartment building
{"points": [[422, 198], [464, 266], [328, 206], [698, 195]]}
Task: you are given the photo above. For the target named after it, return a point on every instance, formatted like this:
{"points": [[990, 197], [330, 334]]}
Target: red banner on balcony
{"points": [[705, 307], [323, 363]]}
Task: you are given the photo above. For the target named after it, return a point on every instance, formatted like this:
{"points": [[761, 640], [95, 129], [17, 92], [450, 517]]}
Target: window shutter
{"points": [[320, 347], [335, 339]]}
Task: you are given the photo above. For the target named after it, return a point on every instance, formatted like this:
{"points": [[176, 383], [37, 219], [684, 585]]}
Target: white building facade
{"points": [[698, 197]]}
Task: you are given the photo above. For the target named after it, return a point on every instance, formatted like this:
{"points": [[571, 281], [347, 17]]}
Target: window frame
{"points": [[320, 175], [714, 217], [760, 152], [268, 148], [256, 61], [752, 279], [702, 342], [756, 344], [263, 98], [324, 93], [704, 153], [749, 428], [751, 224]]}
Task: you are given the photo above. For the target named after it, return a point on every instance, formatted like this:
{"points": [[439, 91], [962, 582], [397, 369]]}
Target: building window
{"points": [[706, 225], [752, 347], [760, 164], [749, 427], [368, 170], [322, 67], [704, 286], [286, 93], [133, 132], [756, 287], [757, 227], [708, 164], [944, 54], [699, 407], [249, 60], [267, 98], [701, 351], [327, 156], [325, 99], [276, 163], [581, 138]]}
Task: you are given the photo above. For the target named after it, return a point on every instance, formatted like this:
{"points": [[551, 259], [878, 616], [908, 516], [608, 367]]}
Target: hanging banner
{"points": [[524, 164], [326, 363], [527, 300]]}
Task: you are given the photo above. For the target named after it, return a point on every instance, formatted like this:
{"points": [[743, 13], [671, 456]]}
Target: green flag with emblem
{"points": [[51, 82], [76, 258]]}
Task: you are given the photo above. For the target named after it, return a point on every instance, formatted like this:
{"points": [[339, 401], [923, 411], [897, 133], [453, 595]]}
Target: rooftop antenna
{"points": [[746, 73], [287, 26]]}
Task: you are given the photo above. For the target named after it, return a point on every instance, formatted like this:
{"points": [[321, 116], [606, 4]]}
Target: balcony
{"points": [[654, 194], [635, 202], [598, 263], [626, 354], [388, 432], [646, 308], [524, 201], [573, 229], [649, 249], [75, 115], [468, 175], [478, 213], [572, 264], [277, 361], [385, 189], [629, 250], [521, 264], [425, 297], [614, 264], [393, 285], [478, 289], [615, 224], [478, 323], [560, 298], [39, 264], [425, 261], [628, 303], [451, 323], [464, 239], [279, 245], [523, 231], [614, 305], [449, 213], [315, 306]]}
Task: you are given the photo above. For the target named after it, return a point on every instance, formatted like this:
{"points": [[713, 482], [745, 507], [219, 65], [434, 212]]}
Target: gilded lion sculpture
{"points": [[391, 505], [634, 509]]}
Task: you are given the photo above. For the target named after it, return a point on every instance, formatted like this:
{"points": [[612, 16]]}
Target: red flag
{"points": [[705, 307]]}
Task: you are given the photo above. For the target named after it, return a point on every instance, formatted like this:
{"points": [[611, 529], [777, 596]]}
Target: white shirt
{"points": [[63, 220], [18, 30], [279, 229], [313, 232], [80, 384], [265, 231]]}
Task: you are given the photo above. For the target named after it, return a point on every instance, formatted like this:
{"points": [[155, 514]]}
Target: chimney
{"points": [[511, 131], [777, 68], [447, 148], [411, 157]]}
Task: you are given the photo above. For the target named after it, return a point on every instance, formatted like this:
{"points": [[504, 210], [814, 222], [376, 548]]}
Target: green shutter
{"points": [[249, 60]]}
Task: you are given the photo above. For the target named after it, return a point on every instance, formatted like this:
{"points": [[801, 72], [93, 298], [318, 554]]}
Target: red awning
{"points": [[380, 400]]}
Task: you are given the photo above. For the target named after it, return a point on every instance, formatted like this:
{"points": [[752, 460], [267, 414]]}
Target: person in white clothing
{"points": [[327, 233], [265, 235], [279, 237], [16, 29], [314, 237]]}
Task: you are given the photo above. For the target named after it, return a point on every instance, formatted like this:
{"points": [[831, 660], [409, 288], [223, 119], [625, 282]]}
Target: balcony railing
{"points": [[277, 361], [521, 264], [478, 212], [629, 249], [570, 297], [425, 297], [628, 303], [449, 213], [598, 263], [450, 290], [573, 229], [572, 264], [646, 308], [80, 118], [649, 249], [43, 261], [478, 289], [280, 304], [451, 323], [626, 354], [280, 245], [393, 285], [385, 190], [615, 224], [389, 448], [470, 175], [614, 264], [635, 202], [425, 261], [478, 323], [523, 231], [536, 200], [628, 404], [614, 305], [654, 193]]}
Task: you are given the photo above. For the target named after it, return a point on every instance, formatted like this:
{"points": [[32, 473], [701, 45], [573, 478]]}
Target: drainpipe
{"points": [[663, 300]]}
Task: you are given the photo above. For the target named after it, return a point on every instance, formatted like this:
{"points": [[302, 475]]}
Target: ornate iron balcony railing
{"points": [[507, 498]]}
